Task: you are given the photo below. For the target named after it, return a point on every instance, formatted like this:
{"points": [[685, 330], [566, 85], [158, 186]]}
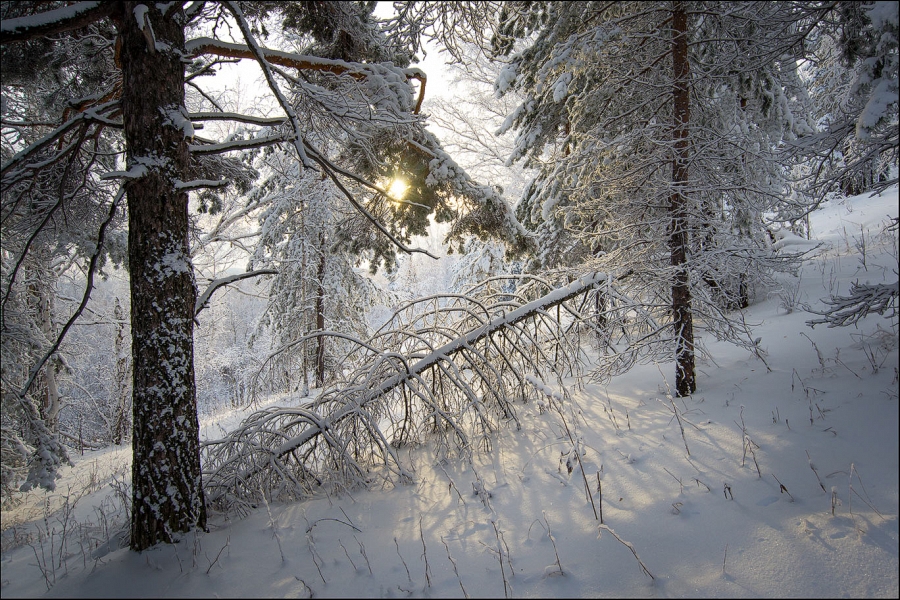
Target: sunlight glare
{"points": [[398, 188]]}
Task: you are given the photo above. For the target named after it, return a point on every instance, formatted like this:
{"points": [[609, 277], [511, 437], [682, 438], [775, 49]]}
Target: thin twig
{"points": [[227, 541], [784, 489], [424, 554], [362, 550], [553, 541], [868, 503], [811, 466], [347, 554], [675, 478], [408, 576], [600, 497], [628, 545], [455, 570], [333, 519], [506, 587], [699, 483], [681, 426]]}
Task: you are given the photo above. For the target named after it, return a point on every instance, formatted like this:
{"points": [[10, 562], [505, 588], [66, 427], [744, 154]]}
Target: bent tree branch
{"points": [[422, 379], [846, 310], [203, 300]]}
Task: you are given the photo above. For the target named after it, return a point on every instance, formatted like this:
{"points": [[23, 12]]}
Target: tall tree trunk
{"points": [[121, 386], [685, 382], [52, 402], [320, 315], [167, 495]]}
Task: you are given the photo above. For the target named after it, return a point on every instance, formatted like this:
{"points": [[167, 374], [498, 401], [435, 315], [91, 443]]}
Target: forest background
{"points": [[621, 173]]}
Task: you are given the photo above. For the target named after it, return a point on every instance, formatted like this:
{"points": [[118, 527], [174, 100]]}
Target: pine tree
{"points": [[855, 64], [167, 487], [317, 289], [653, 126], [351, 122]]}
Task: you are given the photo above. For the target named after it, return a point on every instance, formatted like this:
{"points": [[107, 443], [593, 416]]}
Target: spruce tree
{"points": [[653, 126]]}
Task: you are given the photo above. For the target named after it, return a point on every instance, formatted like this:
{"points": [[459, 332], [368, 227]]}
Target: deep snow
{"points": [[516, 522]]}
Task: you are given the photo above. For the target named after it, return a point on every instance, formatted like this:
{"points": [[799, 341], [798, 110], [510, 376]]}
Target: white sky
{"points": [[247, 75]]}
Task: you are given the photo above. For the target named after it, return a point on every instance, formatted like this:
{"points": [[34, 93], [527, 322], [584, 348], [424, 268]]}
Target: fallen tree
{"points": [[416, 377]]}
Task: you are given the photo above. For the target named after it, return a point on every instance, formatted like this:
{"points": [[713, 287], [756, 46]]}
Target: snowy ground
{"points": [[817, 517]]}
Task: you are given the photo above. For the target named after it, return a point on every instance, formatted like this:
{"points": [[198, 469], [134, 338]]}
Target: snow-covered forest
{"points": [[612, 313]]}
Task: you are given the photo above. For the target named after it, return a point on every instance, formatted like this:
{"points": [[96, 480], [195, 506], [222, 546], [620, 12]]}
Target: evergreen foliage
{"points": [[658, 147]]}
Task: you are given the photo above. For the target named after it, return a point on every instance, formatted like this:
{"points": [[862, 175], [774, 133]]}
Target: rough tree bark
{"points": [[168, 494], [685, 382]]}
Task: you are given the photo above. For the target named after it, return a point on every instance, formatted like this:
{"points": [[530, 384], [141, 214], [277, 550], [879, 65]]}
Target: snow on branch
{"points": [[215, 284], [55, 21], [233, 145], [197, 184], [232, 116], [332, 171], [205, 45], [416, 379], [135, 172], [862, 300], [54, 136], [49, 454]]}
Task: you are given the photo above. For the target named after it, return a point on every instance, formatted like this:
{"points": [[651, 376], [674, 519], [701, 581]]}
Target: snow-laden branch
{"points": [[198, 184], [259, 54], [233, 145], [418, 378], [558, 296], [54, 136], [205, 45], [49, 453], [332, 170], [232, 116], [215, 284], [862, 300], [55, 21]]}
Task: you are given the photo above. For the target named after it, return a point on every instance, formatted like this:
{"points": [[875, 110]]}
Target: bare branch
{"points": [[203, 299], [89, 286]]}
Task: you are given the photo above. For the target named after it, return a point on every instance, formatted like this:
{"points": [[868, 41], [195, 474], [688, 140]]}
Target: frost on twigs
{"points": [[863, 299], [447, 369]]}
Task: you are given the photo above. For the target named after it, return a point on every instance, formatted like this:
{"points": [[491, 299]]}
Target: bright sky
{"points": [[433, 63], [246, 74]]}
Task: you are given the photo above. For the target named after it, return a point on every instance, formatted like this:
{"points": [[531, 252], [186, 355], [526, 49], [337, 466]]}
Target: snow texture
{"points": [[817, 518]]}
